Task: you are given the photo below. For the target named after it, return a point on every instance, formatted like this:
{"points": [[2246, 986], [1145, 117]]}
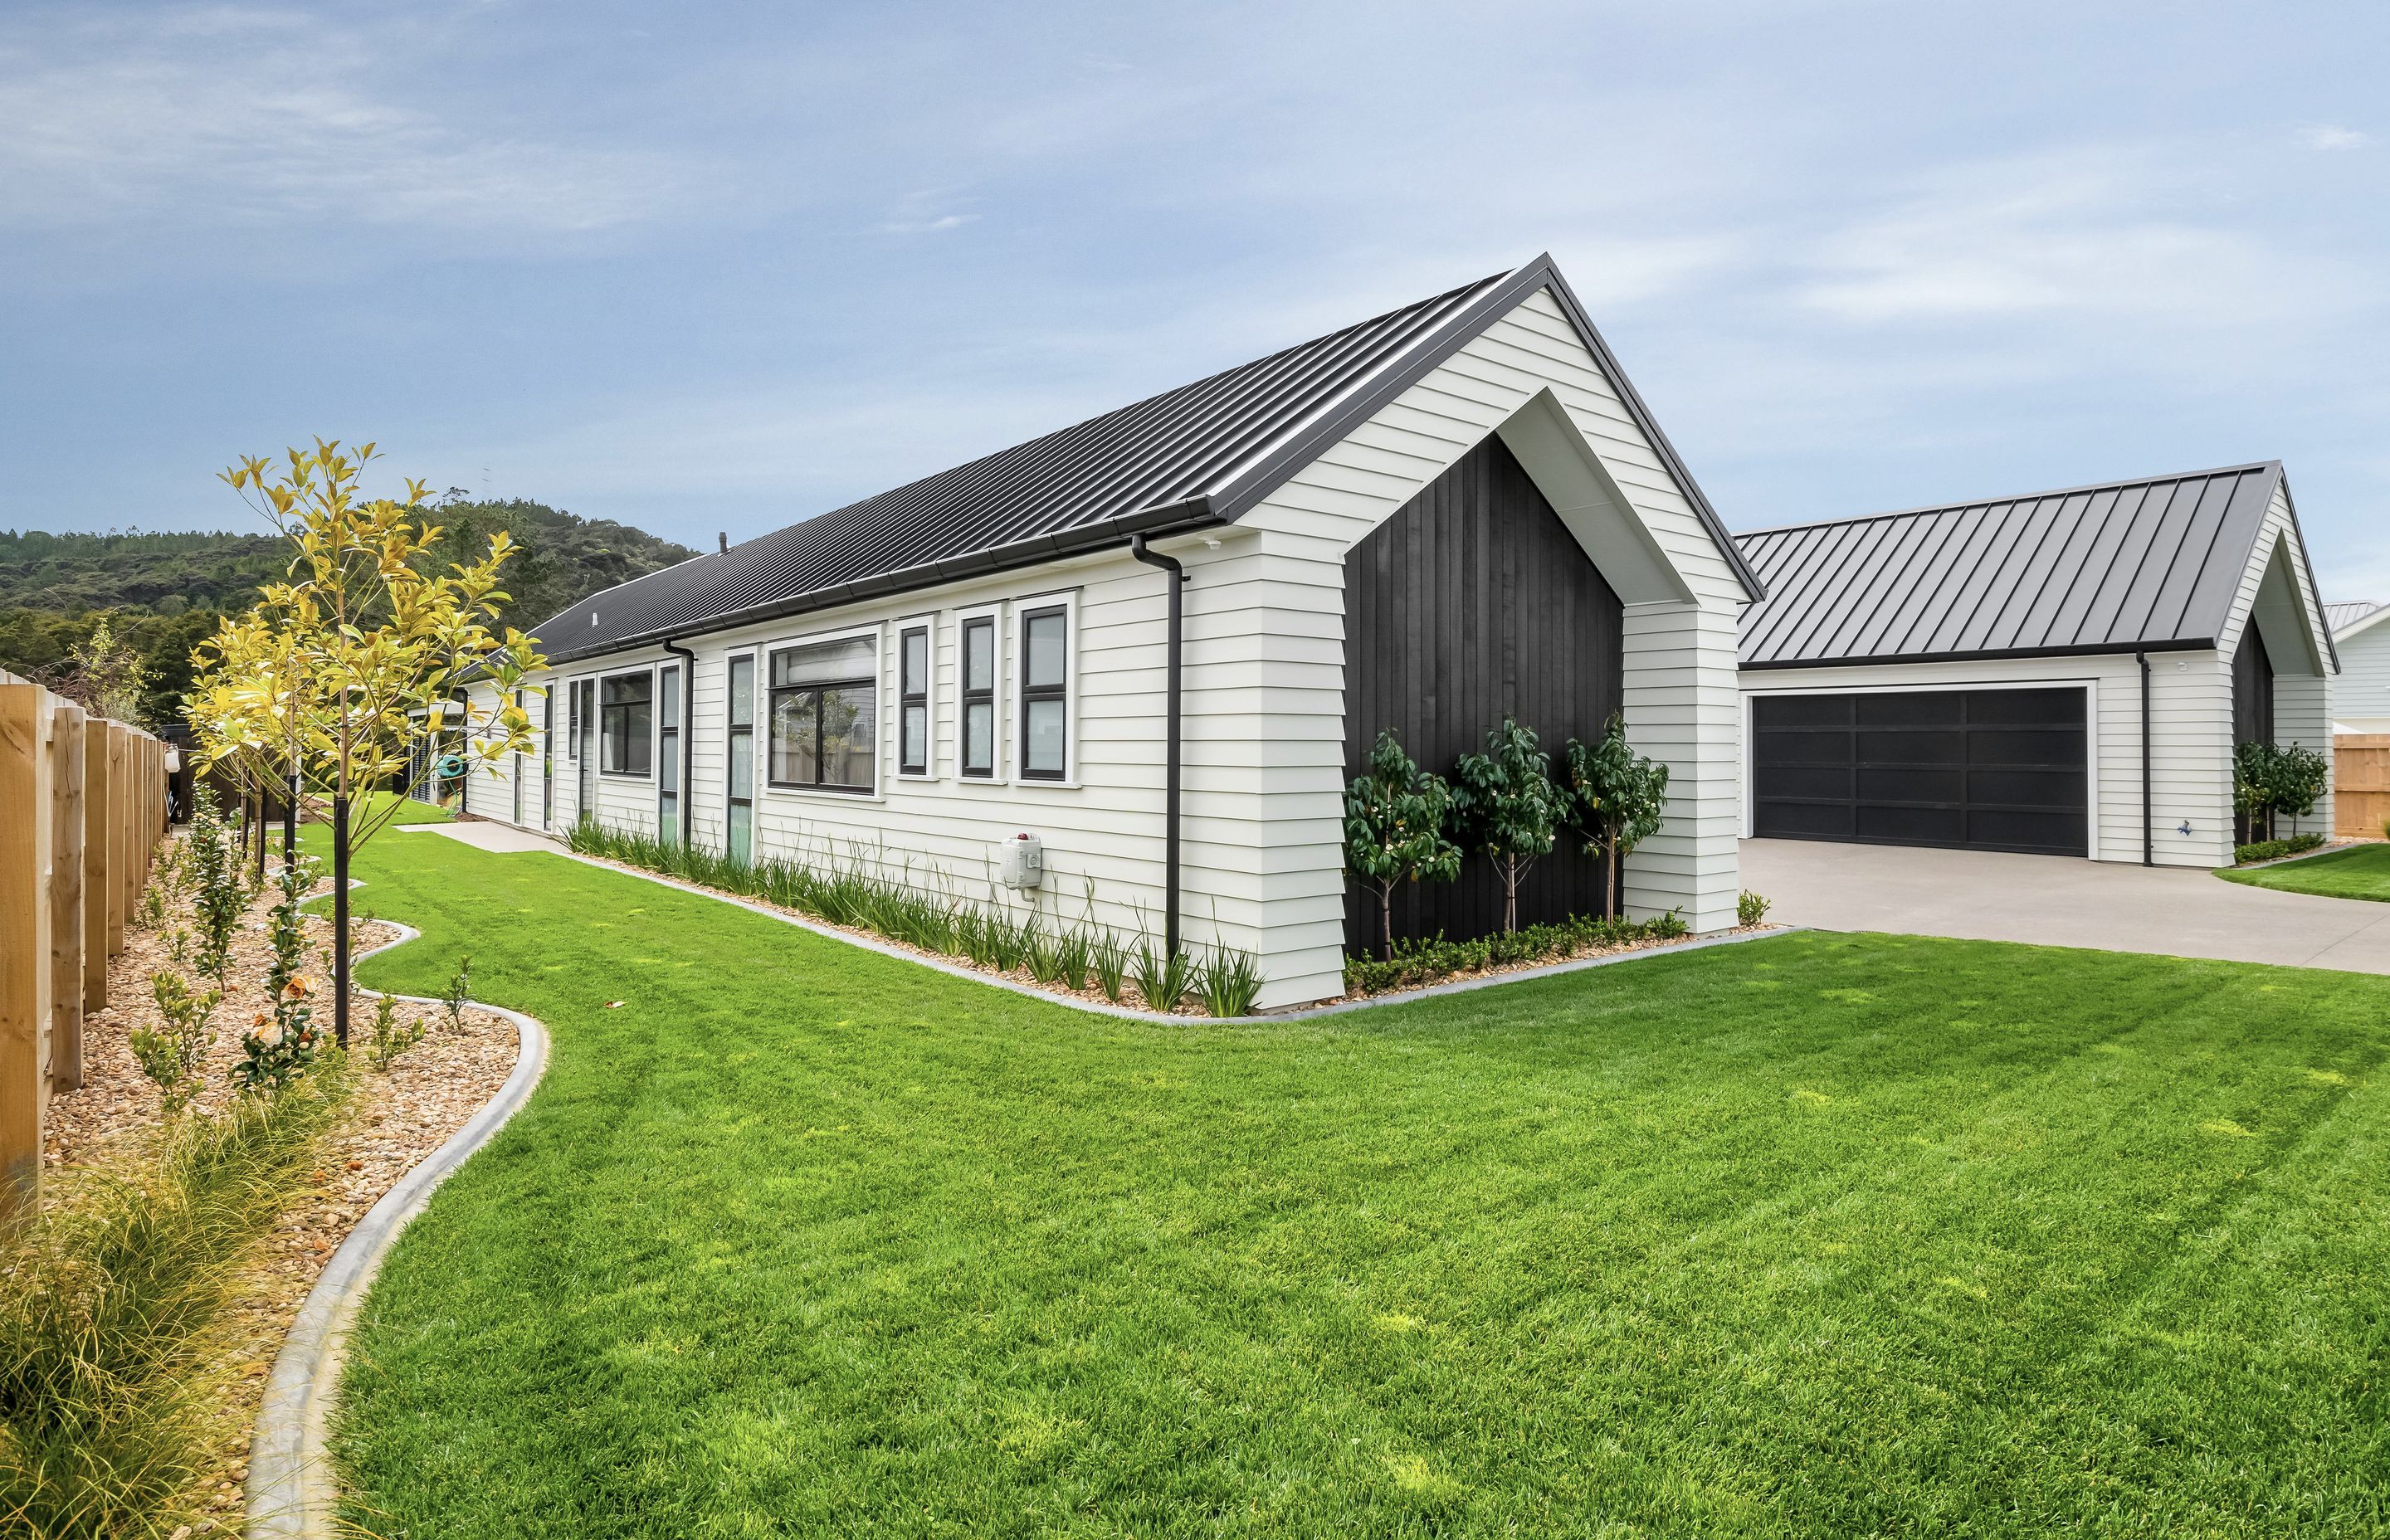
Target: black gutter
{"points": [[2187, 644], [688, 733], [1179, 518], [1177, 577], [2147, 820]]}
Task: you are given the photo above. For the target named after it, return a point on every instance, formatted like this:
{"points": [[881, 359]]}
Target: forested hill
{"points": [[163, 592]]}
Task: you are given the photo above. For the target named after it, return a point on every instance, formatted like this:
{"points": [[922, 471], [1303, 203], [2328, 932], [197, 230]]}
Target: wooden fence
{"points": [[83, 804], [2360, 784]]}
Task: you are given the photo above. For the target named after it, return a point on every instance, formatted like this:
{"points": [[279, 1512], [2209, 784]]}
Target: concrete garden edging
{"points": [[1093, 1007], [290, 1489]]}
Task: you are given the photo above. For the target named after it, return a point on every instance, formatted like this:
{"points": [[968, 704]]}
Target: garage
{"points": [[1982, 769]]}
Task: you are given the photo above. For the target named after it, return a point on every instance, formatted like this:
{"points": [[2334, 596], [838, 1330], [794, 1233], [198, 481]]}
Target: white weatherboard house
{"points": [[1453, 510], [2360, 692], [2064, 672]]}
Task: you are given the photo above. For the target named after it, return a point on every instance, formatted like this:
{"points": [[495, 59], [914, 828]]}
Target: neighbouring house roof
{"points": [[2118, 566], [1196, 456], [2338, 618]]}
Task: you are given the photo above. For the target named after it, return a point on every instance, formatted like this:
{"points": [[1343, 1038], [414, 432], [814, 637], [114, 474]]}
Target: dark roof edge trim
{"points": [[1193, 513], [2118, 485], [1265, 476], [2184, 644]]}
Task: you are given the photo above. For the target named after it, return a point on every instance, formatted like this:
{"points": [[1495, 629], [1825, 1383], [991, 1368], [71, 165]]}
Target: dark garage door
{"points": [[1978, 769]]}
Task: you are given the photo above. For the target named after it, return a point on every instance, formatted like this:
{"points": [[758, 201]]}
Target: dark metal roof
{"points": [[2120, 567], [1199, 455], [2338, 618]]}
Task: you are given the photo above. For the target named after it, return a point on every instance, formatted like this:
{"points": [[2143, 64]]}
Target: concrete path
{"points": [[2052, 901], [503, 838]]}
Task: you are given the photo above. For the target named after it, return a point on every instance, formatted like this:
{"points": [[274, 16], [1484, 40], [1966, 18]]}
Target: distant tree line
{"points": [[162, 593]]}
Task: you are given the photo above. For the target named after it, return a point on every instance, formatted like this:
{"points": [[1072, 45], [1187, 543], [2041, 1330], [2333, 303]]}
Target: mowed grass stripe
{"points": [[1819, 1234]]}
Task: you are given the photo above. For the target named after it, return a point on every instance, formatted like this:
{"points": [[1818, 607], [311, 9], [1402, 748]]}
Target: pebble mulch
{"points": [[397, 1118]]}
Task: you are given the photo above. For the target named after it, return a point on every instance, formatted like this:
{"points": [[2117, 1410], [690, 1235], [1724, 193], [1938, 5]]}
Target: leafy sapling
{"points": [[1617, 798], [1508, 806], [452, 999], [1394, 819], [169, 1053], [389, 1037]]}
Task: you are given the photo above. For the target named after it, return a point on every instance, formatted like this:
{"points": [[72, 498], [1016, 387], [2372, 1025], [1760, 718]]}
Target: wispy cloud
{"points": [[229, 116], [2333, 136]]}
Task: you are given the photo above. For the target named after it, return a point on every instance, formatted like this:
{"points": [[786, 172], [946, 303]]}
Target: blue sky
{"points": [[723, 266]]}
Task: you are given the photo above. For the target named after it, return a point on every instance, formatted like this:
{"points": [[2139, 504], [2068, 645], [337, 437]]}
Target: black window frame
{"points": [[609, 734], [967, 697], [1058, 692], [818, 689], [913, 695]]}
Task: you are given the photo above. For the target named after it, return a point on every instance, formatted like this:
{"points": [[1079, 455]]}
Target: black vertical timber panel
{"points": [[1472, 601]]}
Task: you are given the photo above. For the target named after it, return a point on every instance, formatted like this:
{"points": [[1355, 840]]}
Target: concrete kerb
{"points": [[291, 1490], [1130, 1013]]}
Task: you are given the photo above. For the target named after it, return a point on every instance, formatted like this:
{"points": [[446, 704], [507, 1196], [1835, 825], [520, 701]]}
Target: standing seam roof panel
{"points": [[2154, 562]]}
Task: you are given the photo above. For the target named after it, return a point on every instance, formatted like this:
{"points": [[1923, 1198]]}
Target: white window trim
{"points": [[1002, 775], [926, 623], [1066, 601], [597, 704], [877, 631]]}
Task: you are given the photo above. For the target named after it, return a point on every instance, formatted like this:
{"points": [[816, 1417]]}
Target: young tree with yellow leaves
{"points": [[360, 659]]}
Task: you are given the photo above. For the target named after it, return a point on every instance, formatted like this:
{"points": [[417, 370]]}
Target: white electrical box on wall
{"points": [[1021, 862]]}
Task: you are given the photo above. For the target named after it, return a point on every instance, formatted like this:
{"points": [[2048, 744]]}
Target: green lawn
{"points": [[2361, 871], [1818, 1235]]}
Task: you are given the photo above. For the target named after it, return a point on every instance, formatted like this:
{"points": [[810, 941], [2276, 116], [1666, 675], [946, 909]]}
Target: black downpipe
{"points": [[687, 737], [1177, 576], [2147, 816]]}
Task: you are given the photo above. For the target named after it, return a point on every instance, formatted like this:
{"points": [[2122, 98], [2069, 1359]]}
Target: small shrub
{"points": [[452, 999], [171, 1054], [1109, 960], [2272, 850], [389, 1037], [268, 1065], [1228, 980], [219, 894], [1423, 962], [1750, 908], [1164, 981]]}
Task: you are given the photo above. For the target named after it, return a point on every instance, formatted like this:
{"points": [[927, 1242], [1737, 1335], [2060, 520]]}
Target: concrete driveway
{"points": [[2054, 900]]}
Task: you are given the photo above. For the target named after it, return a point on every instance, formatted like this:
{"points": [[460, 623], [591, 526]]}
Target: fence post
{"points": [[65, 897], [120, 830], [94, 861], [25, 723]]}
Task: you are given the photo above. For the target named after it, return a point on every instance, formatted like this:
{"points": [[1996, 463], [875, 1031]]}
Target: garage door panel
{"points": [[1808, 747], [2024, 746], [1909, 709], [1785, 820], [1830, 782], [1881, 783], [1935, 746], [2044, 788], [1986, 769]]}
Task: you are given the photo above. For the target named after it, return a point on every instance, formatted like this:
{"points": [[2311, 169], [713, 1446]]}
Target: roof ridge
{"points": [[2120, 484]]}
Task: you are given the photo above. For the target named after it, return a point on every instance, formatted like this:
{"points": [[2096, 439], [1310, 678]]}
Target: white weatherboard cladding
{"points": [[2191, 732], [2275, 595], [1679, 652], [2361, 694], [1263, 715]]}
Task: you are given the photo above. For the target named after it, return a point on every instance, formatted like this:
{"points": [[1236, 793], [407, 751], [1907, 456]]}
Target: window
{"points": [[625, 722], [913, 700], [1045, 693], [668, 772], [825, 710], [742, 758], [978, 750], [573, 724]]}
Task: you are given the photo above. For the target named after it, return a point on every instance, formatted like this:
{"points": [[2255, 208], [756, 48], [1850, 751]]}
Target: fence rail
{"points": [[2360, 784], [83, 804]]}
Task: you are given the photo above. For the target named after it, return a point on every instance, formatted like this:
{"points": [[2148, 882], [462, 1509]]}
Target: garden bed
{"points": [[391, 1119]]}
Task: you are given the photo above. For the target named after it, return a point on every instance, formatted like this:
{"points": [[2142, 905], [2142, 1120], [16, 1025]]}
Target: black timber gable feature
{"points": [[1472, 601]]}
